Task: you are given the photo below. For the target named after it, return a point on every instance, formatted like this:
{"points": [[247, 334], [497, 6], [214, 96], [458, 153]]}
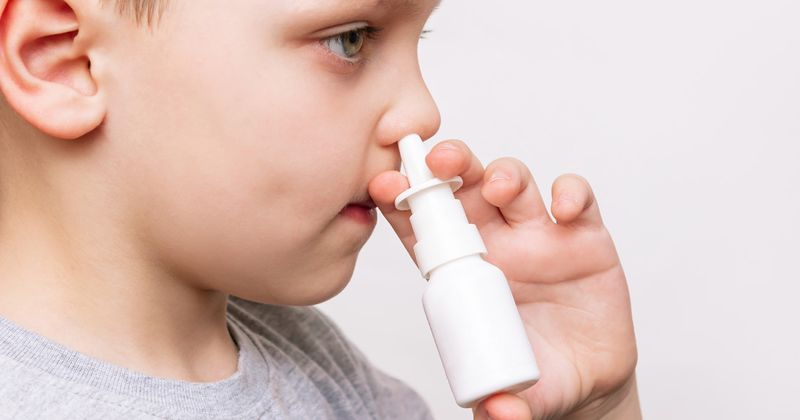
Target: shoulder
{"points": [[28, 392], [314, 342], [303, 328], [304, 334]]}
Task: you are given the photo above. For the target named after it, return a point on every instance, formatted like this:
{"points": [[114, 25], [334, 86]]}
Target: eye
{"points": [[347, 45]]}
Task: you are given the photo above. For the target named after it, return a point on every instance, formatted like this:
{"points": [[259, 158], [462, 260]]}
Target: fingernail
{"points": [[445, 149], [499, 175], [446, 146]]}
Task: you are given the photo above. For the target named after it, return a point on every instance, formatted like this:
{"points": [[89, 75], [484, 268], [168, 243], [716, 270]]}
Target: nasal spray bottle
{"points": [[471, 312]]}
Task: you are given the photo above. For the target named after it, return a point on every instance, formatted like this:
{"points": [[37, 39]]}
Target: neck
{"points": [[84, 285]]}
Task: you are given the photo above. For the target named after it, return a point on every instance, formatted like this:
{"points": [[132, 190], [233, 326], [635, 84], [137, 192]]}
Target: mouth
{"points": [[367, 204], [362, 211]]}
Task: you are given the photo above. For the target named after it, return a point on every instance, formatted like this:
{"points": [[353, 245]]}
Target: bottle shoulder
{"points": [[465, 273]]}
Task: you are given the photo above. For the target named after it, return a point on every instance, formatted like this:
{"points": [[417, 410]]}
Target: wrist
{"points": [[622, 404]]}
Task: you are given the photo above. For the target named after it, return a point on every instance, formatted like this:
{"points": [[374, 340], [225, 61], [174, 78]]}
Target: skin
{"points": [[146, 174], [565, 276]]}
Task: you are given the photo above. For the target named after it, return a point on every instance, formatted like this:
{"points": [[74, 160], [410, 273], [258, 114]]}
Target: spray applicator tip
{"points": [[420, 177], [413, 153]]}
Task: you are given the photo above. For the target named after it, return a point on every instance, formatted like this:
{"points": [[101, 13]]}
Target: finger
{"points": [[574, 201], [509, 185], [453, 158], [383, 189], [503, 406], [479, 413]]}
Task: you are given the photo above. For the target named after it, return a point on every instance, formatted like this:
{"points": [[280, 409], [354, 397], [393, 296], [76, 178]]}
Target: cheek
{"points": [[293, 148], [248, 161], [263, 249]]}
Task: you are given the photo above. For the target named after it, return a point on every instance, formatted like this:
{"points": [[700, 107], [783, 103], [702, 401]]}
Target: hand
{"points": [[565, 276]]}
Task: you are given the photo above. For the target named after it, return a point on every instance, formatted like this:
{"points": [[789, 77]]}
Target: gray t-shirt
{"points": [[294, 363]]}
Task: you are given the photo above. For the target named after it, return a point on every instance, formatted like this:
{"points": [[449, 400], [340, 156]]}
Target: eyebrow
{"points": [[411, 6]]}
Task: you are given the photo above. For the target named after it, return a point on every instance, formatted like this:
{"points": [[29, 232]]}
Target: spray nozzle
{"points": [[420, 178], [440, 225]]}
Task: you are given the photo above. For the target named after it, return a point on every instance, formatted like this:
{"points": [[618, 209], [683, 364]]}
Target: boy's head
{"points": [[209, 141]]}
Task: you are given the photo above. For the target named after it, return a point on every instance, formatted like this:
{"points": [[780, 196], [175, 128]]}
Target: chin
{"points": [[319, 296], [326, 287], [309, 289]]}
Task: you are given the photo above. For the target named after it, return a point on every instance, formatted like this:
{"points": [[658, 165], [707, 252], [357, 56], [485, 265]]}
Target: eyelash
{"points": [[370, 32]]}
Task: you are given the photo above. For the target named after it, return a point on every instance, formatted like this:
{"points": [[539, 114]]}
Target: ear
{"points": [[44, 71]]}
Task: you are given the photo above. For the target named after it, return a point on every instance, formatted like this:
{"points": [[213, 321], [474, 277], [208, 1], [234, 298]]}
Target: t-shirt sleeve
{"points": [[393, 398]]}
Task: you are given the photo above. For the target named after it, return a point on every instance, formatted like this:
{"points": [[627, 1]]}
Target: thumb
{"points": [[503, 406]]}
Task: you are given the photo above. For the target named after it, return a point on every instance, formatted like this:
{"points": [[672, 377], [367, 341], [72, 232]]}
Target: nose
{"points": [[410, 110]]}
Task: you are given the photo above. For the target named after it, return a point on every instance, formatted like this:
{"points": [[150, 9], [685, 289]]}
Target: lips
{"points": [[362, 211], [368, 204]]}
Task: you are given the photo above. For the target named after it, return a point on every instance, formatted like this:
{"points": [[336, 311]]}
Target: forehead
{"points": [[415, 6], [306, 16], [411, 7]]}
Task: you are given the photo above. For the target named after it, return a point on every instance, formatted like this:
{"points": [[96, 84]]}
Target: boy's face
{"points": [[244, 135]]}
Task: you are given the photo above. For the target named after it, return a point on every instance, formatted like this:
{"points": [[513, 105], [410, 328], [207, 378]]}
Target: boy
{"points": [[159, 158]]}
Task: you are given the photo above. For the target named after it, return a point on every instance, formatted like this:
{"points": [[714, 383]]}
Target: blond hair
{"points": [[142, 11]]}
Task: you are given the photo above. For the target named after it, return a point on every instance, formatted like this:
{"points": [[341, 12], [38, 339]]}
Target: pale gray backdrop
{"points": [[685, 118]]}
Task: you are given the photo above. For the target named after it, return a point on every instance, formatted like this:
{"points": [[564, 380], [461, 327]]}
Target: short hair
{"points": [[141, 11]]}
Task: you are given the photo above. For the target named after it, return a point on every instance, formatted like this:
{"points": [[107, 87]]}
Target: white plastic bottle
{"points": [[470, 309]]}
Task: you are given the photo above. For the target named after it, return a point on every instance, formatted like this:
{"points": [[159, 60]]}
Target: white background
{"points": [[685, 118]]}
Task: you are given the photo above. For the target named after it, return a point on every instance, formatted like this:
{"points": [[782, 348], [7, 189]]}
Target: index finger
{"points": [[451, 158]]}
